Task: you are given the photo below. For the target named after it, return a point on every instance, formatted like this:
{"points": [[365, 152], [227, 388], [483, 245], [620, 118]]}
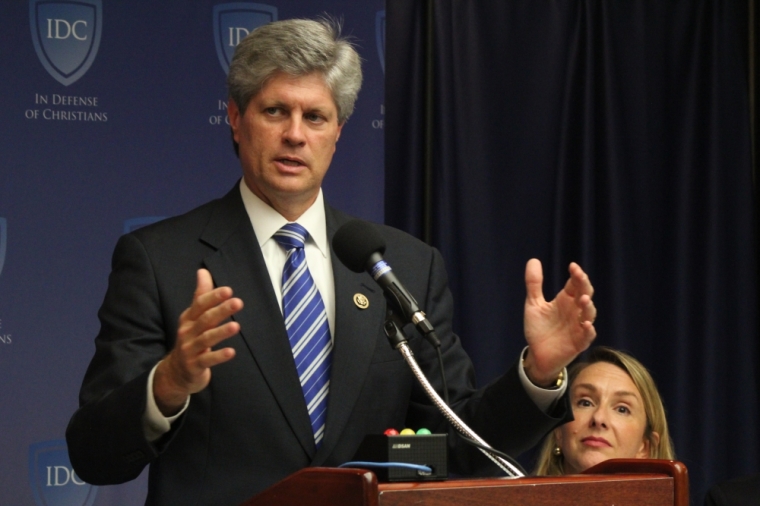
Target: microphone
{"points": [[359, 246]]}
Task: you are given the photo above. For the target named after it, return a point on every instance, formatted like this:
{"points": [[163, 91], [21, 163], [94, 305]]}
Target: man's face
{"points": [[287, 138]]}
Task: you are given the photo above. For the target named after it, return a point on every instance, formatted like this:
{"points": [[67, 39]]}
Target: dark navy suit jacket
{"points": [[250, 428]]}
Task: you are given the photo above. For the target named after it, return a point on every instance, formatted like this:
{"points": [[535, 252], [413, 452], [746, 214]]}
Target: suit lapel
{"points": [[354, 341], [239, 264]]}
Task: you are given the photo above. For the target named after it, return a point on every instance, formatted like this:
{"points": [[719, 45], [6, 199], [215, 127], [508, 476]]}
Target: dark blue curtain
{"points": [[614, 134]]}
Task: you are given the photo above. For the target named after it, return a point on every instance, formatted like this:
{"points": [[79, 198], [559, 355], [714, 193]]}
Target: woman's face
{"points": [[609, 419]]}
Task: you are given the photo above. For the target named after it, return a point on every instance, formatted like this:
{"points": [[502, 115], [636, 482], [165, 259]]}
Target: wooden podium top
{"points": [[619, 481]]}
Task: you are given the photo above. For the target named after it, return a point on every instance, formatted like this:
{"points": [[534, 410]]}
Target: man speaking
{"points": [[235, 349]]}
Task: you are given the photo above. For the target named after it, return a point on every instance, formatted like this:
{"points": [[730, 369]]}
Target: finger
{"points": [[194, 336], [211, 337], [586, 306], [534, 280], [192, 342], [589, 334], [215, 315], [205, 295], [580, 280], [208, 300], [214, 358], [188, 320], [188, 358], [204, 283], [588, 309]]}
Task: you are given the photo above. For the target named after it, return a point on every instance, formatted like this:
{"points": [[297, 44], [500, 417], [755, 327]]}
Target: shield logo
{"points": [[52, 479], [232, 22], [3, 241], [380, 37], [66, 36]]}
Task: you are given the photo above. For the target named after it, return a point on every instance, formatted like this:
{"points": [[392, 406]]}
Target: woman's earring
{"points": [[557, 451]]}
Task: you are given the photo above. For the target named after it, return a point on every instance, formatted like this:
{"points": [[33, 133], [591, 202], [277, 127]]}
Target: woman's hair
{"points": [[551, 464], [296, 47]]}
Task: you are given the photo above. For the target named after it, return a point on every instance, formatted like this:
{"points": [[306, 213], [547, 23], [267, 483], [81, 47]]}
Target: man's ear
{"points": [[233, 113]]}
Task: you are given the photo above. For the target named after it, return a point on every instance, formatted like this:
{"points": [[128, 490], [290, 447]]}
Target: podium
{"points": [[618, 481]]}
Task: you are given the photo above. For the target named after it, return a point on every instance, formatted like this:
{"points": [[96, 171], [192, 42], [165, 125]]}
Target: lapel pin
{"points": [[361, 301]]}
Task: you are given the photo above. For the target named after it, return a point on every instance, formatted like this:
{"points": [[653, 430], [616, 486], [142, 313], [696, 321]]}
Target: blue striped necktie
{"points": [[306, 323]]}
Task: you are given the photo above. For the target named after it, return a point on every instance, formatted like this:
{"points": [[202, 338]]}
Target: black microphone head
{"points": [[355, 242]]}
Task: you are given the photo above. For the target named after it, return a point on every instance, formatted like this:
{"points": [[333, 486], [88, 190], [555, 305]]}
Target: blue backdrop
{"points": [[114, 116]]}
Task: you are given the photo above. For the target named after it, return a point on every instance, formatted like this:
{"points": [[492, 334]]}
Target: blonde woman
{"points": [[618, 414]]}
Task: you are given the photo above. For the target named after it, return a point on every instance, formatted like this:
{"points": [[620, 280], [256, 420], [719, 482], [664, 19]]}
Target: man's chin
{"points": [[292, 190], [285, 187]]}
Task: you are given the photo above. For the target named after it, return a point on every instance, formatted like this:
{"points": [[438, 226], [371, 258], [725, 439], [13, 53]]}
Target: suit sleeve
{"points": [[105, 435], [501, 413]]}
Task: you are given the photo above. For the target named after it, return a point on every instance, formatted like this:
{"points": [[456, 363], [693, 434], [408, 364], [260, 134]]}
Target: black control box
{"points": [[428, 450]]}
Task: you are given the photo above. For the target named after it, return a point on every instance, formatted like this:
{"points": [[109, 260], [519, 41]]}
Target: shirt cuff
{"points": [[544, 398], [155, 424]]}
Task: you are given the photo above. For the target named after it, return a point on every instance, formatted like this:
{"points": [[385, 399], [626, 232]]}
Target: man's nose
{"points": [[294, 133]]}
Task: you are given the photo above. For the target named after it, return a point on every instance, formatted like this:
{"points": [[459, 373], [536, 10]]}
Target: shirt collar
{"points": [[266, 221]]}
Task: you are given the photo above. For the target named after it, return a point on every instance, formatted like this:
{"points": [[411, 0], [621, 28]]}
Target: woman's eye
{"points": [[623, 410], [584, 403]]}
